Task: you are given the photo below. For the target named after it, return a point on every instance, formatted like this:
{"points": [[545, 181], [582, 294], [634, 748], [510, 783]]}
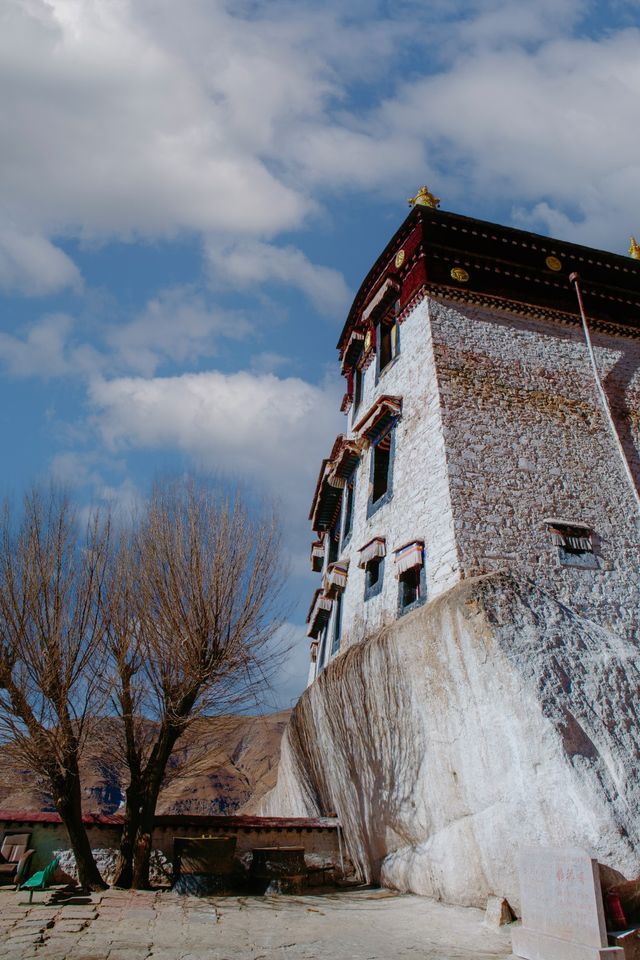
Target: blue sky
{"points": [[191, 193]]}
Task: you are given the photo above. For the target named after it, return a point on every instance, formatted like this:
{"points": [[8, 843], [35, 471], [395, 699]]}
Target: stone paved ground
{"points": [[363, 925]]}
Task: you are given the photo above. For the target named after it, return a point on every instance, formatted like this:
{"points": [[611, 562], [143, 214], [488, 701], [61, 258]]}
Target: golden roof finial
{"points": [[424, 198], [634, 249]]}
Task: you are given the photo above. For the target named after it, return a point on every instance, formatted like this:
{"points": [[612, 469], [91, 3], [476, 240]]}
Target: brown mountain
{"points": [[222, 763]]}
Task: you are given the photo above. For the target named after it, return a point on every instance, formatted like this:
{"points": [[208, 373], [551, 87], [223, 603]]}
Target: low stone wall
{"points": [[48, 836], [491, 718], [318, 835]]}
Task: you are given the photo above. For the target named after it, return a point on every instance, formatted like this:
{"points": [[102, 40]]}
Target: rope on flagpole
{"points": [[575, 279]]}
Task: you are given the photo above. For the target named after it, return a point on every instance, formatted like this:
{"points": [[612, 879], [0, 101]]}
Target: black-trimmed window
{"points": [[373, 577], [412, 588], [575, 545], [322, 650], [333, 538], [348, 501], [388, 337], [357, 387], [381, 471], [337, 623]]}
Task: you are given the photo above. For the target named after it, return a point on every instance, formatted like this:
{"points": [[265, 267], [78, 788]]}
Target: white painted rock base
{"points": [[492, 718]]}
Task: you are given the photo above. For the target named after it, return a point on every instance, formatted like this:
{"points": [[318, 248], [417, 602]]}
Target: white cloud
{"points": [[31, 264], [176, 325], [252, 263], [270, 430], [114, 128], [553, 129], [359, 153], [74, 468], [134, 119], [42, 352], [495, 23], [151, 118], [269, 362]]}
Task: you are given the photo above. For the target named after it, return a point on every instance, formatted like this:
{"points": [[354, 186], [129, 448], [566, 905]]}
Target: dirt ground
{"points": [[362, 924]]}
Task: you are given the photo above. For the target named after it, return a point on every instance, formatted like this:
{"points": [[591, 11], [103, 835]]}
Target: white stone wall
{"points": [[420, 508], [526, 439], [500, 428]]}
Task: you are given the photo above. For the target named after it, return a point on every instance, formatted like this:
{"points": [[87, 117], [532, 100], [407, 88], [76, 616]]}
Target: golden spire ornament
{"points": [[424, 198], [634, 249]]}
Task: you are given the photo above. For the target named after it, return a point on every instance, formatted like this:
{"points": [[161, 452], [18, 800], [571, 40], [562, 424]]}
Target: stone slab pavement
{"points": [[351, 925]]}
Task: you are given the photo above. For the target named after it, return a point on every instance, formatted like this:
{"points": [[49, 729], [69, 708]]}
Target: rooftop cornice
{"points": [[476, 261]]}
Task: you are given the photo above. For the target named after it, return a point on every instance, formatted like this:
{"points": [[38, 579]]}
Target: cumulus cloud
{"points": [[552, 130], [254, 263], [41, 352], [271, 430], [269, 362], [139, 118], [111, 128], [151, 118], [32, 265], [177, 325], [147, 119], [495, 23]]}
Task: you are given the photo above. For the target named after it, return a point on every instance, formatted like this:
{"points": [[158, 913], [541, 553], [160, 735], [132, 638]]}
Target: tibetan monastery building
{"points": [[478, 435]]}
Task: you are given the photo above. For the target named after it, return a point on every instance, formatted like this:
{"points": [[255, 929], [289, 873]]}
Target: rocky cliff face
{"points": [[491, 718]]}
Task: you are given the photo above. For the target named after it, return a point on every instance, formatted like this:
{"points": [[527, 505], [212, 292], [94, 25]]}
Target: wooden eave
{"points": [[316, 492], [343, 460], [326, 502], [505, 266], [385, 410], [314, 600], [319, 613]]}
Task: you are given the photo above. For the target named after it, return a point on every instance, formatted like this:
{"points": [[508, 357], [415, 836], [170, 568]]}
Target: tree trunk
{"points": [[124, 864], [143, 838], [153, 777], [69, 806]]}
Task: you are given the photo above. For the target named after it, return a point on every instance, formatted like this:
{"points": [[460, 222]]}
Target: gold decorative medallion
{"points": [[459, 273], [367, 340], [399, 258], [553, 263], [424, 198], [634, 249]]}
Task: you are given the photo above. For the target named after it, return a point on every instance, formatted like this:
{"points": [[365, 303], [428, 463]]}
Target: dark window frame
{"points": [[374, 505], [403, 606], [322, 649], [337, 624], [382, 326], [358, 384], [332, 550], [348, 500], [584, 559], [373, 589]]}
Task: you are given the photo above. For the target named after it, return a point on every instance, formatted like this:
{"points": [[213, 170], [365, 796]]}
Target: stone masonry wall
{"points": [[526, 439], [501, 429], [420, 507], [46, 838]]}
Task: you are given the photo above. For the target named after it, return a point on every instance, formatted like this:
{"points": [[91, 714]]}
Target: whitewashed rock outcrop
{"points": [[160, 869], [490, 718]]}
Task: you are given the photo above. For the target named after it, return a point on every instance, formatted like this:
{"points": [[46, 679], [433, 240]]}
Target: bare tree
{"points": [[194, 595], [52, 649]]}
